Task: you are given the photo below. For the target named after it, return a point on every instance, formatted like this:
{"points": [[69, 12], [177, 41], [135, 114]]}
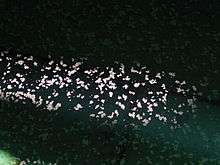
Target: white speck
{"points": [[131, 115], [144, 100], [131, 92], [58, 105], [18, 75], [111, 116], [153, 81], [20, 62], [92, 115], [9, 87], [146, 77], [110, 94], [22, 79], [163, 86], [194, 88], [143, 84], [35, 64], [158, 75], [30, 58], [99, 80], [96, 96], [127, 78], [145, 122], [133, 70], [100, 112], [124, 97], [97, 106], [26, 67], [78, 106], [172, 74], [136, 85], [155, 104], [139, 117], [63, 64], [51, 62], [125, 86], [116, 112], [139, 105], [179, 90], [122, 106]]}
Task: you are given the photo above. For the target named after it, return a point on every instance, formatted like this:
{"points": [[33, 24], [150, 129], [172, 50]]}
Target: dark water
{"points": [[181, 37], [72, 138], [68, 136]]}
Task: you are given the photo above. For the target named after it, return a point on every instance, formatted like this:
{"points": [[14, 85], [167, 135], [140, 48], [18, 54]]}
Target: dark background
{"points": [[179, 36]]}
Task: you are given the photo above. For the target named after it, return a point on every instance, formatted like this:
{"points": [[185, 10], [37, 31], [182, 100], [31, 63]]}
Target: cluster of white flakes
{"points": [[107, 92], [35, 162]]}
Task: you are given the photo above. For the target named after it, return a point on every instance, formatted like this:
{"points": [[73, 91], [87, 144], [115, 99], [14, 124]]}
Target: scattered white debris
{"points": [[59, 81]]}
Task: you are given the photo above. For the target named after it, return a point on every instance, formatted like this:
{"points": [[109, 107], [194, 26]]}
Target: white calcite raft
{"points": [[104, 92]]}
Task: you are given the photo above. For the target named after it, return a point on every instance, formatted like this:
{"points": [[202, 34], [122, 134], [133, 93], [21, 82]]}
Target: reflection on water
{"points": [[78, 114]]}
